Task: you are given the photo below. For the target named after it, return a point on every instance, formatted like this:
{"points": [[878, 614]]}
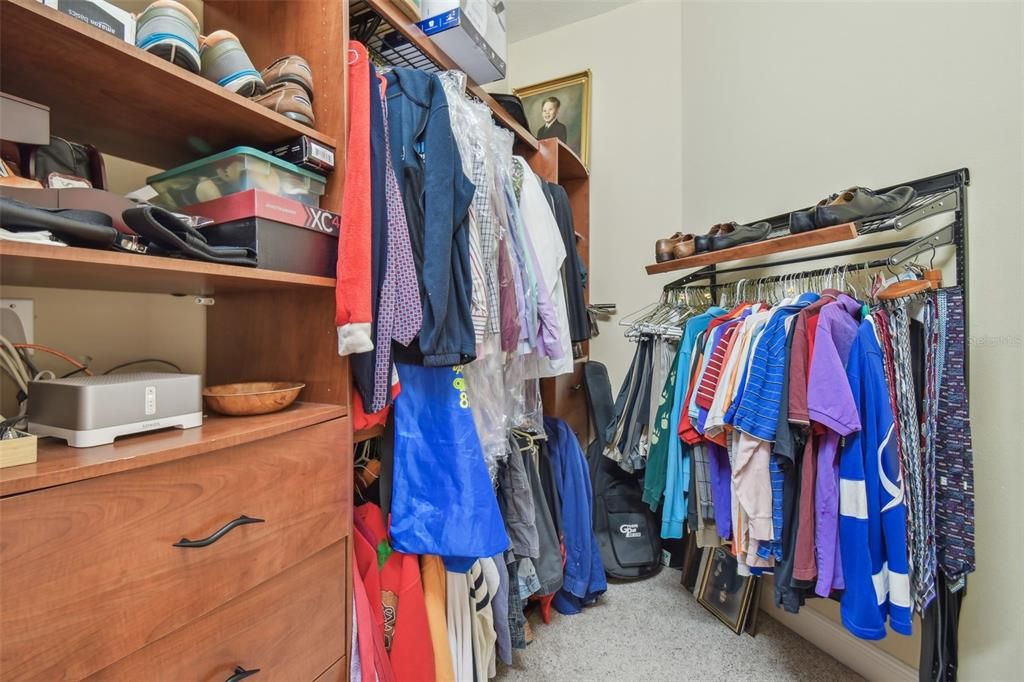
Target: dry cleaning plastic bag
{"points": [[442, 501]]}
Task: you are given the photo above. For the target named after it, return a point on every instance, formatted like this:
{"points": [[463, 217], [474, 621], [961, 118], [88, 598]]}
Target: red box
{"points": [[255, 203]]}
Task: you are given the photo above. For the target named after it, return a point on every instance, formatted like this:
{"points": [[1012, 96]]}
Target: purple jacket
{"points": [[836, 411]]}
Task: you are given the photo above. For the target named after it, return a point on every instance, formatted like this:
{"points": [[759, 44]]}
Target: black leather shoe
{"points": [[732, 234], [861, 203], [702, 242], [803, 221]]}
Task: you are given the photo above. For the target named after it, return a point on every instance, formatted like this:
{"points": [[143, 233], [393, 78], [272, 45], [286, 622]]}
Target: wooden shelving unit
{"points": [[125, 101], [264, 325], [77, 268], [59, 464], [828, 235], [369, 434]]}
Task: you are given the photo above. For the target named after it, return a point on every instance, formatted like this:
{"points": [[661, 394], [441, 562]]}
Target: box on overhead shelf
{"points": [[258, 204], [236, 170], [306, 153], [102, 15], [472, 33], [279, 246]]}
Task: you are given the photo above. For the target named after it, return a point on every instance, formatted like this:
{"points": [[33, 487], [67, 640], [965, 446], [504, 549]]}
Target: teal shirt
{"points": [[677, 461]]}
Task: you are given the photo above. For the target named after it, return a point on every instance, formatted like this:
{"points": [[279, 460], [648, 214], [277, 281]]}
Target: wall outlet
{"points": [[17, 320]]}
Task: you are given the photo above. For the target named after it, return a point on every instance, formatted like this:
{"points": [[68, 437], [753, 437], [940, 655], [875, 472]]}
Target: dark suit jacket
{"points": [[556, 129]]}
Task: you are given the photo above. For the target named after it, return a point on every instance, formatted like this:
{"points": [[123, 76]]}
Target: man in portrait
{"points": [[552, 126]]}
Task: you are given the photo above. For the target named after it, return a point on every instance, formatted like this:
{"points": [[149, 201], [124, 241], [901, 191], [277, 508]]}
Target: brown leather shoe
{"points": [[686, 246], [290, 69], [291, 100], [663, 247]]}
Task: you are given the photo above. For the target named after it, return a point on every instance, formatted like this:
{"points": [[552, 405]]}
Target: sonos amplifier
{"points": [[94, 410]]}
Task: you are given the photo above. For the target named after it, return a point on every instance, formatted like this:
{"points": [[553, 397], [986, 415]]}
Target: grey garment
{"points": [[529, 583], [516, 617], [500, 605], [549, 560], [515, 499], [664, 353]]}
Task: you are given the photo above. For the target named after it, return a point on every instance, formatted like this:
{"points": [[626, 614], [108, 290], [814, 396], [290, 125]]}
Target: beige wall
{"points": [[105, 329], [714, 111]]}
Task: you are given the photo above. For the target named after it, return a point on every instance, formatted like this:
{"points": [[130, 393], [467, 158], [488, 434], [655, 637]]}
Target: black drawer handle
{"points": [[240, 521], [241, 673]]}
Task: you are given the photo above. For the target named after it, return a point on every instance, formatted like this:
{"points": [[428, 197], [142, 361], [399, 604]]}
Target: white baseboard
{"points": [[832, 638]]}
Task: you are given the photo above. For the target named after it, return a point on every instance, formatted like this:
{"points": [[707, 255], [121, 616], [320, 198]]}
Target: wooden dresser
{"points": [[182, 555]]}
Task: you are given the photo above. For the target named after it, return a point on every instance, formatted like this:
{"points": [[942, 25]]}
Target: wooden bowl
{"points": [[259, 397]]}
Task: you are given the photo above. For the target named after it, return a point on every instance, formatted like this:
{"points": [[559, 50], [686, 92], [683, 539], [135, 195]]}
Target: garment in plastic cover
{"points": [[442, 500], [485, 385], [522, 394]]}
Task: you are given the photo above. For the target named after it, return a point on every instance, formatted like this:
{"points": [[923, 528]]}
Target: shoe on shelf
{"points": [[860, 203], [663, 248], [226, 63], [702, 242], [289, 69], [851, 205], [732, 234], [290, 100], [169, 30]]}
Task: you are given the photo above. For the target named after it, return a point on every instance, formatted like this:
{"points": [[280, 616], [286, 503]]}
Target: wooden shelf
{"points": [[59, 464], [127, 102], [70, 267], [368, 434], [827, 235], [397, 19], [570, 167]]}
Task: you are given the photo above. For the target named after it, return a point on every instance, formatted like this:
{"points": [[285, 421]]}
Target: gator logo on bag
{"points": [[631, 530]]}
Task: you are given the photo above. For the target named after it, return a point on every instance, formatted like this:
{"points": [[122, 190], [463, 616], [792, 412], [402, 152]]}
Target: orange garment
{"points": [[353, 291], [435, 596]]}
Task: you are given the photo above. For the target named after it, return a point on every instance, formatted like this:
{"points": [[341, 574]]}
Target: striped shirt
{"points": [[713, 373], [758, 412]]}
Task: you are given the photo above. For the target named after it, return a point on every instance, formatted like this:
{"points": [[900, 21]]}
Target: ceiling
{"points": [[528, 18]]}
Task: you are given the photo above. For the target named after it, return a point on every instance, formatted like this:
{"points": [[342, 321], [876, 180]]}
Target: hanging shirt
{"points": [[873, 518], [674, 513], [836, 412]]}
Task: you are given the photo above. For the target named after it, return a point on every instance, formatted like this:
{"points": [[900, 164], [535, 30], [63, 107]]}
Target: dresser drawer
{"points": [[90, 570], [291, 628]]}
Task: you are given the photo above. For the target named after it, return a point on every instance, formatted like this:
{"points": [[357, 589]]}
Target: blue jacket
{"points": [[437, 195], [584, 577]]}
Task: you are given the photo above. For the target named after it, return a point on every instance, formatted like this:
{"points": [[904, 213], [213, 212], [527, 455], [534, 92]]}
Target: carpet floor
{"points": [[655, 630]]}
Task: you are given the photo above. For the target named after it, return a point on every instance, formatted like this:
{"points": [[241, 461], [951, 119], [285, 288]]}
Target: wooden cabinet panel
{"points": [[90, 570], [336, 673], [290, 628], [565, 397]]}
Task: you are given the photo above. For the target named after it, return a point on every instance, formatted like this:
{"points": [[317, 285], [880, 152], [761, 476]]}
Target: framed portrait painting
{"points": [[560, 108], [727, 595]]}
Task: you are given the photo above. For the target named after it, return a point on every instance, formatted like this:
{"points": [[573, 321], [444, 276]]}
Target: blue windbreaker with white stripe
{"points": [[872, 513]]}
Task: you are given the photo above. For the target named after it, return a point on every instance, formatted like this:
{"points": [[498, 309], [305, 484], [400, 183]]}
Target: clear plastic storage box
{"points": [[236, 170]]}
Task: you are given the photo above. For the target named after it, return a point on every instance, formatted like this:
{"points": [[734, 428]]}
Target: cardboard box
{"points": [[306, 153], [472, 33], [24, 121], [100, 14], [255, 203]]}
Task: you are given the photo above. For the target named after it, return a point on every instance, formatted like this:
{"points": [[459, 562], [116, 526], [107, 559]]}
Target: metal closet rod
{"points": [[710, 272]]}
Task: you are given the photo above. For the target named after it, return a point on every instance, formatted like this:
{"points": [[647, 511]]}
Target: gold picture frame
{"points": [[571, 123], [724, 593]]}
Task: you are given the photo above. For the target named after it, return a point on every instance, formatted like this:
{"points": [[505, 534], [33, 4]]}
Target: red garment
{"points": [[371, 627], [406, 628], [805, 565], [709, 382], [353, 291]]}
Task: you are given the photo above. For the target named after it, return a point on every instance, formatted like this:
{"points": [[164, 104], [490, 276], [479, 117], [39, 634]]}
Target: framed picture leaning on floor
{"points": [[560, 108], [724, 593]]}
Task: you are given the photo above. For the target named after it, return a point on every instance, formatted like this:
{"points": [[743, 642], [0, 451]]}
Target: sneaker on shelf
{"points": [[169, 30], [226, 63]]}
